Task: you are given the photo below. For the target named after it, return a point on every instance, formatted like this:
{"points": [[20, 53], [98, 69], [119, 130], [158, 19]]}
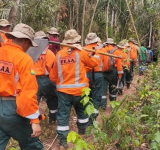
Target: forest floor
{"points": [[49, 136]]}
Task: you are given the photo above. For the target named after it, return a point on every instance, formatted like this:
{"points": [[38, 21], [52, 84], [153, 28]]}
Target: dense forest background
{"points": [[108, 18]]}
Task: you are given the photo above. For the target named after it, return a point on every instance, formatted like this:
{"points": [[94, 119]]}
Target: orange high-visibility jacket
{"points": [[133, 51], [44, 63], [99, 67], [69, 72], [17, 79], [118, 61], [125, 59], [4, 38]]}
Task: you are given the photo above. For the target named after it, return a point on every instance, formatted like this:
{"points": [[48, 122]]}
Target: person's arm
{"points": [[89, 60], [49, 60], [53, 74], [26, 100]]}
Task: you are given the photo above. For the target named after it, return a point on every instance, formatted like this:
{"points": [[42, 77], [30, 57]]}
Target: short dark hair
{"points": [[142, 44]]}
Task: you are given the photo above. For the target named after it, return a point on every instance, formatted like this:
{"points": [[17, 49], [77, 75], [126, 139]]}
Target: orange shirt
{"points": [[17, 79], [69, 72], [125, 60], [118, 61], [133, 51], [4, 38], [44, 63], [99, 67]]}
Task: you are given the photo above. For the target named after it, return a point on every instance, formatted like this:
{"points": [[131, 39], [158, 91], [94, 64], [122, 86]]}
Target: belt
{"points": [[42, 76], [8, 98]]}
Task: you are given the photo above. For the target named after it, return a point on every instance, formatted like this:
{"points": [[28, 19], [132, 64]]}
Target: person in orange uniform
{"points": [[133, 60], [112, 75], [46, 87], [54, 36], [19, 113], [69, 74], [4, 28], [95, 83], [122, 47]]}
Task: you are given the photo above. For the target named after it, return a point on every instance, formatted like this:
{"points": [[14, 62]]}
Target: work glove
{"points": [[41, 117]]}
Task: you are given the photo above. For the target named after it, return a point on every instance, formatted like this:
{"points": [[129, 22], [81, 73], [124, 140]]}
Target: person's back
{"points": [[71, 71], [19, 117], [143, 53], [69, 74], [150, 55]]}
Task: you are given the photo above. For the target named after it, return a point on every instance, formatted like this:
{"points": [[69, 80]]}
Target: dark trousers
{"points": [[65, 103], [105, 85], [96, 92], [123, 79], [47, 89], [17, 127], [129, 74], [112, 80]]}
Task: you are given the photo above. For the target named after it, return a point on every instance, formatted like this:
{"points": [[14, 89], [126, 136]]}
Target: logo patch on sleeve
{"points": [[32, 72], [68, 60], [6, 67]]}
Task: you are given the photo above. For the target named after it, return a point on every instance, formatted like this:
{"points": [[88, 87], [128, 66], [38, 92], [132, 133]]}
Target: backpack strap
{"points": [[113, 50], [1, 40]]}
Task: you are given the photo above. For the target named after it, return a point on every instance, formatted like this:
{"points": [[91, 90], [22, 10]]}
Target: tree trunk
{"points": [[77, 17], [70, 15], [107, 19], [90, 27], [83, 15], [150, 35], [115, 22], [133, 23], [13, 12], [57, 22]]}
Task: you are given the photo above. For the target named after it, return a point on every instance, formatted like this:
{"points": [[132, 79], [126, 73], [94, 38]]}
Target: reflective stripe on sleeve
{"points": [[83, 120], [53, 111], [16, 79], [104, 96], [46, 72], [120, 72], [101, 66], [34, 116], [62, 128], [113, 95], [96, 56]]}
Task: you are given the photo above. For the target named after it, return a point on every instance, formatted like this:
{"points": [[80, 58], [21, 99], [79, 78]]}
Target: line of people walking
{"points": [[60, 75]]}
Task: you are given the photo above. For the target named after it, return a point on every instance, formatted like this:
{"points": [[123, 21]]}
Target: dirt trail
{"points": [[73, 127]]}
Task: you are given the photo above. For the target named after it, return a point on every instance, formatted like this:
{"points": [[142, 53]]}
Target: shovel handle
{"points": [[86, 49]]}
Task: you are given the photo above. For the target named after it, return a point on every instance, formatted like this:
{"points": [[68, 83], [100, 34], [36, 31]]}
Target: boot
{"points": [[81, 131], [52, 121], [63, 143], [62, 147], [52, 118], [90, 122], [103, 107], [128, 85]]}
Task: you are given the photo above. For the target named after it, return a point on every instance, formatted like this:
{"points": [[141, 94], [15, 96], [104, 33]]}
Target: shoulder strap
{"points": [[1, 40], [142, 50], [113, 50]]}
